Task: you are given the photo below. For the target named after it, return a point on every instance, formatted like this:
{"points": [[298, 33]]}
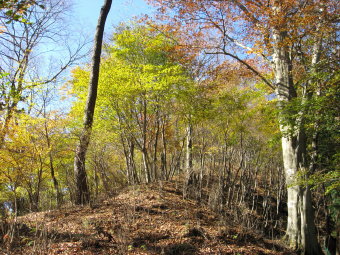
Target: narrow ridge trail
{"points": [[139, 220]]}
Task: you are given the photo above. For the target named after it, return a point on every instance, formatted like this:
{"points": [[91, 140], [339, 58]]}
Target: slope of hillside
{"points": [[140, 220]]}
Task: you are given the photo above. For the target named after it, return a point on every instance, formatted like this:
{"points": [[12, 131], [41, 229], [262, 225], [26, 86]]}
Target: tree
{"points": [[139, 86], [32, 160], [15, 10], [82, 192], [285, 37], [18, 57]]}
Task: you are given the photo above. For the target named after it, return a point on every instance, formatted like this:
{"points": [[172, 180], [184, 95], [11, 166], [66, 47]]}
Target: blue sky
{"points": [[87, 11], [83, 22]]}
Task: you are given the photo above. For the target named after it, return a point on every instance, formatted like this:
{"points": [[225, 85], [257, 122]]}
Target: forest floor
{"points": [[139, 220]]}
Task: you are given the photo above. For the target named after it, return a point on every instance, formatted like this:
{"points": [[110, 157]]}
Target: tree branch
{"points": [[247, 65]]}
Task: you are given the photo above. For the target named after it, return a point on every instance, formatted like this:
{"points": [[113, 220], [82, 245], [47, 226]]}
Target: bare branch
{"points": [[224, 52]]}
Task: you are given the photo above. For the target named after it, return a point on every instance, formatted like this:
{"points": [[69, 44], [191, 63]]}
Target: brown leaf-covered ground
{"points": [[140, 220]]}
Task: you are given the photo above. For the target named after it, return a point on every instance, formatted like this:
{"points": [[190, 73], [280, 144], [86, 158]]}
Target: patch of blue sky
{"points": [[81, 27]]}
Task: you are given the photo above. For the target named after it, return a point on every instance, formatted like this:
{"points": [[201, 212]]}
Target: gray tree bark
{"points": [[301, 229], [82, 195], [308, 229], [188, 162]]}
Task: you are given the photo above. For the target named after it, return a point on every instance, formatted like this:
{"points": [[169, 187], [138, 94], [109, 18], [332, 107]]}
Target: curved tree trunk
{"points": [[82, 190]]}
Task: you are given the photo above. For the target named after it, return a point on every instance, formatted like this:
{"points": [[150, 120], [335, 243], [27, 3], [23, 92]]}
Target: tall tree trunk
{"points": [[188, 161], [164, 174], [82, 191], [189, 151], [300, 232], [146, 165], [285, 92], [146, 161], [309, 244], [127, 158], [129, 152], [154, 161], [309, 239], [52, 171], [16, 92], [132, 163], [55, 181]]}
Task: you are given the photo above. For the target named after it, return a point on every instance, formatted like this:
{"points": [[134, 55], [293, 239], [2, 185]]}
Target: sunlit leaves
{"points": [[16, 10], [137, 67], [25, 159]]}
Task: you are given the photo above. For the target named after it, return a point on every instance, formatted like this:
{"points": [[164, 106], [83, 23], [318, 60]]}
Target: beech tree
{"points": [[286, 38], [82, 191]]}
